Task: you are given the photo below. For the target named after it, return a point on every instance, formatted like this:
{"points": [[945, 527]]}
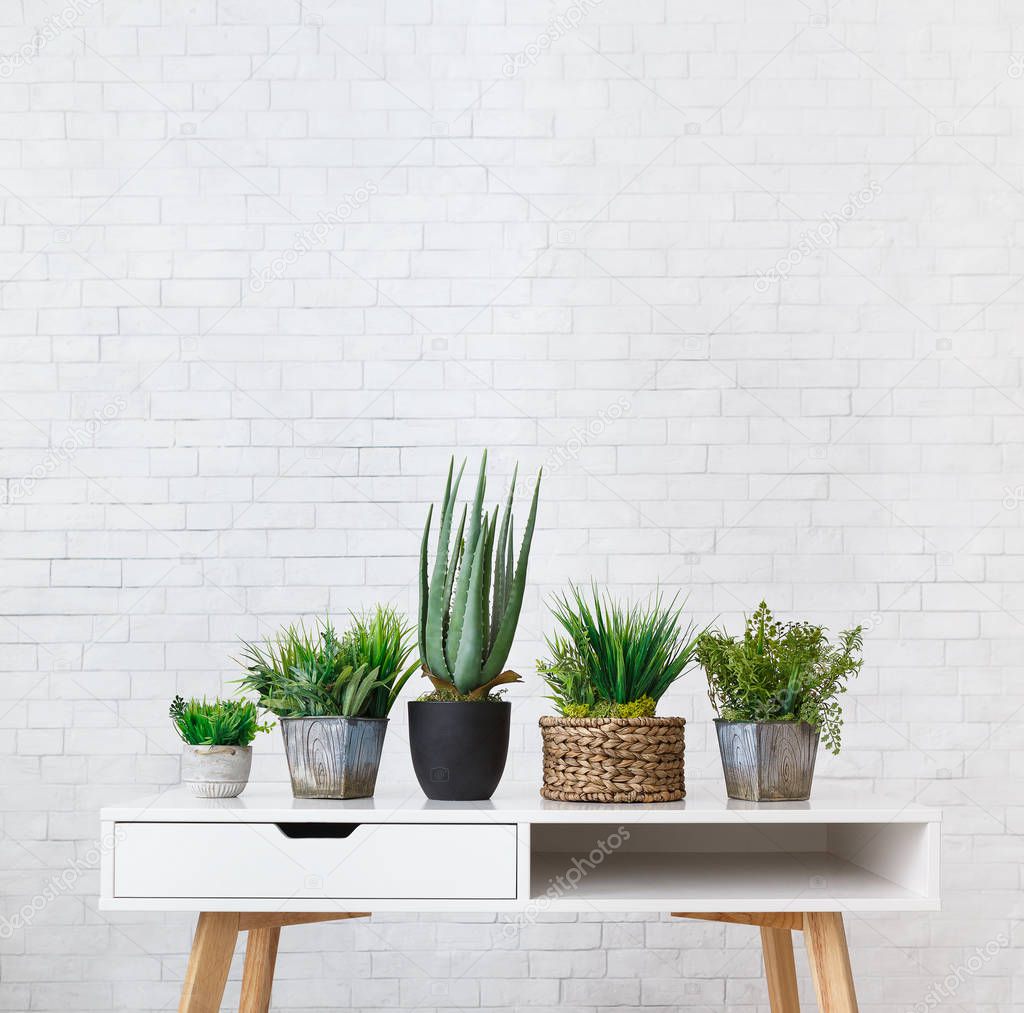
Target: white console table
{"points": [[266, 860]]}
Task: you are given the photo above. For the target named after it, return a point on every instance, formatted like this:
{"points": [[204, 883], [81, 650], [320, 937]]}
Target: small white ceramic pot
{"points": [[216, 771]]}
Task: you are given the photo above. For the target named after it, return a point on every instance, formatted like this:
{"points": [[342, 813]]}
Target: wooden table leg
{"points": [[780, 969], [258, 976], [212, 949], [829, 958]]}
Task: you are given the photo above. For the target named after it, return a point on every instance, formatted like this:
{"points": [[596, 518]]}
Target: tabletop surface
{"points": [[831, 801]]}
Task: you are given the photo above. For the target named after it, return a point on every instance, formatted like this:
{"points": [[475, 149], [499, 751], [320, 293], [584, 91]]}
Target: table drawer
{"points": [[357, 861]]}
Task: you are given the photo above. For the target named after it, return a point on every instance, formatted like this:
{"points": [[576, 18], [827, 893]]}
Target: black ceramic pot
{"points": [[459, 749]]}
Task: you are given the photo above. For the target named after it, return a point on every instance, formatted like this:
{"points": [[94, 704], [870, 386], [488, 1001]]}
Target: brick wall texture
{"points": [[743, 277]]}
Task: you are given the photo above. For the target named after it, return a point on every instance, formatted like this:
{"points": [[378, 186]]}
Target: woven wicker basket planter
{"points": [[613, 759]]}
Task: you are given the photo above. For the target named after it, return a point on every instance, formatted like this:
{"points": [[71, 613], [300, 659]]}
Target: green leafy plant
{"points": [[471, 599], [614, 660], [781, 672], [315, 673], [216, 722]]}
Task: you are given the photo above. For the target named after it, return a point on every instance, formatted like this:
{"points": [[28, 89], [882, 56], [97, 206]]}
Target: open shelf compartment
{"points": [[735, 867]]}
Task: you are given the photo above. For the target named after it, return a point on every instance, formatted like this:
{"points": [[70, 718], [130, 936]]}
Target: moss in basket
{"points": [[613, 659], [642, 708]]}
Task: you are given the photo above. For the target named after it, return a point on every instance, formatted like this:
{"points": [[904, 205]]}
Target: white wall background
{"points": [[555, 243]]}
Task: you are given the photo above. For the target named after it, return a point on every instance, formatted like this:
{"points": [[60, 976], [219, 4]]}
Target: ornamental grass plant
{"points": [[314, 672], [614, 659]]}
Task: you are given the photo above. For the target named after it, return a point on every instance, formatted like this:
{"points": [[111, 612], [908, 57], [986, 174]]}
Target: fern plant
{"points": [[216, 722], [315, 673], [615, 660], [471, 598], [781, 672]]}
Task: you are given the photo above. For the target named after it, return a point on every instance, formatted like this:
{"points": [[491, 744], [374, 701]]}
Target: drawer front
{"points": [[393, 861]]}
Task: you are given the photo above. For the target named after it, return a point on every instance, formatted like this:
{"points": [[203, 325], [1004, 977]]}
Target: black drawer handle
{"points": [[324, 830]]}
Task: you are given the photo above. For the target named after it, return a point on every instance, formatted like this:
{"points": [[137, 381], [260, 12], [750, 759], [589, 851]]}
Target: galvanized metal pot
{"points": [[333, 757], [216, 771], [768, 761]]}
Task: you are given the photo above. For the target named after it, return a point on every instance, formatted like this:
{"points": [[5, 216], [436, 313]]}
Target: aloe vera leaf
{"points": [[433, 634], [458, 604], [508, 568], [510, 619], [424, 587], [441, 685], [455, 566], [458, 612], [467, 667], [499, 680], [435, 598], [485, 583], [500, 587], [509, 560]]}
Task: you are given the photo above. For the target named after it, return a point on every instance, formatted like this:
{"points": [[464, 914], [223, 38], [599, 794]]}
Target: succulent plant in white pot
{"points": [[218, 737]]}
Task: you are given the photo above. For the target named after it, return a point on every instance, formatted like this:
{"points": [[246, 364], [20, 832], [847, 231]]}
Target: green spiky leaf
{"points": [[467, 668], [510, 619], [475, 590], [458, 613], [434, 633], [421, 626]]}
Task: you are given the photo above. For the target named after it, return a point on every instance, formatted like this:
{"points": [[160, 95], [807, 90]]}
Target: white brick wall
{"points": [[533, 223]]}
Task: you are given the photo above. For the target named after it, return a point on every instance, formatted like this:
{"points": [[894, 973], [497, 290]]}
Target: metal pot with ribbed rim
{"points": [[768, 761], [458, 747], [333, 757]]}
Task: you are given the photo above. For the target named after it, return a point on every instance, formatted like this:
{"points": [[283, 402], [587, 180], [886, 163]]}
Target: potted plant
{"points": [[469, 609], [606, 675], [333, 695], [776, 692], [217, 736]]}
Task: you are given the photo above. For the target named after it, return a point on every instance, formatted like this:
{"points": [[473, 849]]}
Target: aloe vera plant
{"points": [[471, 599]]}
